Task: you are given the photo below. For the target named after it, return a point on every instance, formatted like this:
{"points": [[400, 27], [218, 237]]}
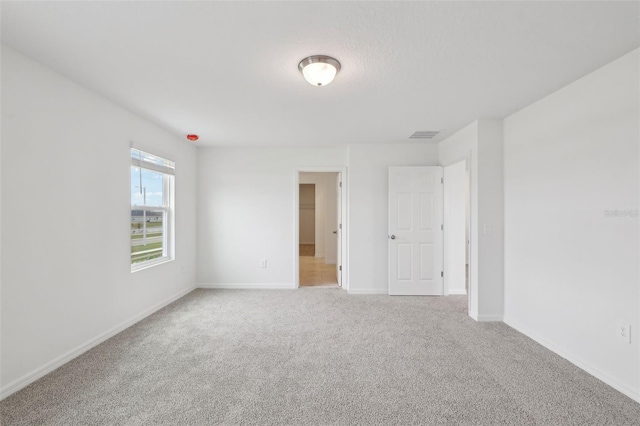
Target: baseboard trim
{"points": [[457, 292], [367, 291], [47, 368], [489, 318], [575, 360], [247, 286], [319, 256]]}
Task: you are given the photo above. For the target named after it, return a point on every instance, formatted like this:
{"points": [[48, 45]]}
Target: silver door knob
{"points": [[393, 237]]}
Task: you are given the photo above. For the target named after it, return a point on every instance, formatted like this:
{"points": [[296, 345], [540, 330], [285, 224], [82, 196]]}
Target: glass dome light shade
{"points": [[319, 70]]}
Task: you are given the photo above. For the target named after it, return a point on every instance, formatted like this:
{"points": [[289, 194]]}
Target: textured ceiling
{"points": [[228, 70]]}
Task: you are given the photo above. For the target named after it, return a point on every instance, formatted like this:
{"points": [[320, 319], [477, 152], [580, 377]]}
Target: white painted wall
{"points": [[307, 215], [368, 208], [490, 210], [66, 280], [455, 207], [481, 144], [571, 271], [245, 212]]}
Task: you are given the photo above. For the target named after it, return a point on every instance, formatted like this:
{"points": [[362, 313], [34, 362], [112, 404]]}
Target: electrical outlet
{"points": [[263, 263], [623, 331]]}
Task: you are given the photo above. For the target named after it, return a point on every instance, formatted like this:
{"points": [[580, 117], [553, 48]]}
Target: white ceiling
{"points": [[228, 70]]}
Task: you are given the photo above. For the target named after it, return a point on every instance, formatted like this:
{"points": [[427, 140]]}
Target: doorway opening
{"points": [[320, 224], [307, 220], [457, 220]]}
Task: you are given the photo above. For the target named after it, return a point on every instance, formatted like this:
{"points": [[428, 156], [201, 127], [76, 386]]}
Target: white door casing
{"points": [[343, 256], [415, 230], [454, 217], [339, 228]]}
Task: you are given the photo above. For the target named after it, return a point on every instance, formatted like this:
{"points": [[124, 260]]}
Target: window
{"points": [[152, 194]]}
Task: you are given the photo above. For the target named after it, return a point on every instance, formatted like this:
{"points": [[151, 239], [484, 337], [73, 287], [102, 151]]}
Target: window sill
{"points": [[150, 264]]}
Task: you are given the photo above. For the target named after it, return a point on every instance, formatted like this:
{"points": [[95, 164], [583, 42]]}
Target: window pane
{"points": [[147, 235], [153, 159], [147, 187]]}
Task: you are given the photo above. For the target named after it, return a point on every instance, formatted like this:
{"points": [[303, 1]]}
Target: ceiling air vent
{"points": [[424, 134]]}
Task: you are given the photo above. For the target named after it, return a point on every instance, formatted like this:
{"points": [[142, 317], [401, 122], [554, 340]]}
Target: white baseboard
{"points": [[319, 255], [457, 292], [329, 261], [367, 291], [577, 361], [247, 286], [489, 318], [42, 371]]}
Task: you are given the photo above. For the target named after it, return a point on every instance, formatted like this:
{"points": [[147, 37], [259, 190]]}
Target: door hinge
{"points": [[441, 180], [442, 273], [340, 226], [340, 184], [340, 268], [442, 227]]}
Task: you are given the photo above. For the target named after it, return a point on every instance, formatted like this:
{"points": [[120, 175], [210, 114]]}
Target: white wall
{"points": [[490, 250], [307, 215], [66, 280], [571, 271], [245, 212], [481, 144], [369, 208], [455, 207]]}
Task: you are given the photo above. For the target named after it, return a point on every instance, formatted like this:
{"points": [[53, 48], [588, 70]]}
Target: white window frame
{"points": [[167, 169]]}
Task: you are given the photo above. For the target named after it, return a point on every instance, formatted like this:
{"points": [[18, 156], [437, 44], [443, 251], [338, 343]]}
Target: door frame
{"points": [[447, 227], [343, 219], [468, 157]]}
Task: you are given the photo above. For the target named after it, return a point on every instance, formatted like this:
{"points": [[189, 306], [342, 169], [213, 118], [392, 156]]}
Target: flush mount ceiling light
{"points": [[319, 70]]}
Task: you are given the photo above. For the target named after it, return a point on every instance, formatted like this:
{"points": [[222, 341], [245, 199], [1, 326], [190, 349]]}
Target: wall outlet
{"points": [[623, 331], [263, 263]]}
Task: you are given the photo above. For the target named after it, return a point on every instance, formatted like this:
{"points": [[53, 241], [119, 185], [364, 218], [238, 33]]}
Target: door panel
{"points": [[415, 234], [427, 261], [426, 212], [404, 256], [404, 212]]}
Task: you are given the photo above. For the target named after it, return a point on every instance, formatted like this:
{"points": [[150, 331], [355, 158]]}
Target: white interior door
{"points": [[339, 228], [415, 231]]}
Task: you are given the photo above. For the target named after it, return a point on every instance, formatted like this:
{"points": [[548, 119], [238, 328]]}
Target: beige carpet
{"points": [[317, 357]]}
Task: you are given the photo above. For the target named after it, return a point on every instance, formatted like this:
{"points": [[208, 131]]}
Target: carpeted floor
{"points": [[317, 357]]}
